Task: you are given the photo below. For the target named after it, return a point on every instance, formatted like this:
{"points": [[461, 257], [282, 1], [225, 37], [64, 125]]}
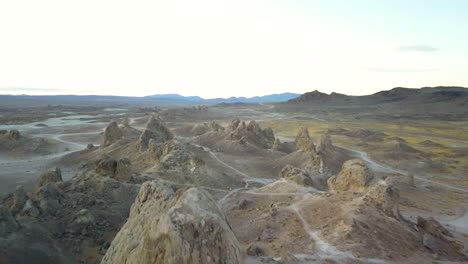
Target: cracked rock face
{"points": [[354, 175], [155, 131], [112, 133], [174, 225]]}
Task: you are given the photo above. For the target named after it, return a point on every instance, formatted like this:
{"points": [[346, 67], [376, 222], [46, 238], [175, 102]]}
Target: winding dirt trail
{"points": [[379, 167]]}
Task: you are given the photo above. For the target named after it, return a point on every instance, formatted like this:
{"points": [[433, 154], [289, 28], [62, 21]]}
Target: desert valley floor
{"points": [[231, 183]]}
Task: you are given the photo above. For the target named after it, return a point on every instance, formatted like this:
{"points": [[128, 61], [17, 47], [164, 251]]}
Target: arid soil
{"points": [[232, 183]]}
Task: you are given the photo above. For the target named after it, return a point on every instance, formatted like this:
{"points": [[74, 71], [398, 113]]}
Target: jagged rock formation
{"points": [[325, 144], [296, 175], [111, 134], [118, 169], [63, 222], [304, 142], [251, 133], [237, 135], [174, 225], [200, 129], [354, 175], [171, 154], [52, 175], [156, 131]]}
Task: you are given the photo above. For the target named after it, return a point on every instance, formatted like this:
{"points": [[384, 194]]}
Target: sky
{"points": [[217, 48]]}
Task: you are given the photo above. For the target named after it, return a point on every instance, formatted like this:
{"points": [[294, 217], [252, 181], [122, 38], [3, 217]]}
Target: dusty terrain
{"points": [[233, 183]]}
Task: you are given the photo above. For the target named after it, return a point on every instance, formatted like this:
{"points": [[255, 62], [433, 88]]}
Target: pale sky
{"points": [[230, 48]]}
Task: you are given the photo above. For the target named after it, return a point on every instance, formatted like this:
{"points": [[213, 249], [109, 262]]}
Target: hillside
{"points": [[428, 102]]}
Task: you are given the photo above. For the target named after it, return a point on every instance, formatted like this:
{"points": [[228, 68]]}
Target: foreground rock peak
{"points": [[354, 175], [174, 225]]}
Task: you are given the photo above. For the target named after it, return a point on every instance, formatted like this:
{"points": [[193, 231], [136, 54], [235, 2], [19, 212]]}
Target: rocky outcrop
{"points": [[112, 134], [325, 144], [52, 175], [304, 142], [172, 154], [174, 225], [251, 133], [156, 131], [296, 175], [354, 175], [118, 169], [200, 129]]}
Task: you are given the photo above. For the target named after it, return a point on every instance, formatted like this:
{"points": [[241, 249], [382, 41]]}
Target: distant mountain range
{"points": [[272, 98], [161, 98]]}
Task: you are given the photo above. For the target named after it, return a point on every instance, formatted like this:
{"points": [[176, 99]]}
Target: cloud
{"points": [[417, 48], [402, 70]]}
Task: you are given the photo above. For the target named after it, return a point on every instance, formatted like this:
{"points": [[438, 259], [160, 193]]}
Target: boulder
{"points": [[111, 134], [89, 146], [52, 175], [354, 176], [296, 175], [156, 131], [174, 225]]}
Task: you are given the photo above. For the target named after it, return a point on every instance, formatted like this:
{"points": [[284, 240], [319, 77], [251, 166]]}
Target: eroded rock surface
{"points": [[174, 225], [354, 175]]}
